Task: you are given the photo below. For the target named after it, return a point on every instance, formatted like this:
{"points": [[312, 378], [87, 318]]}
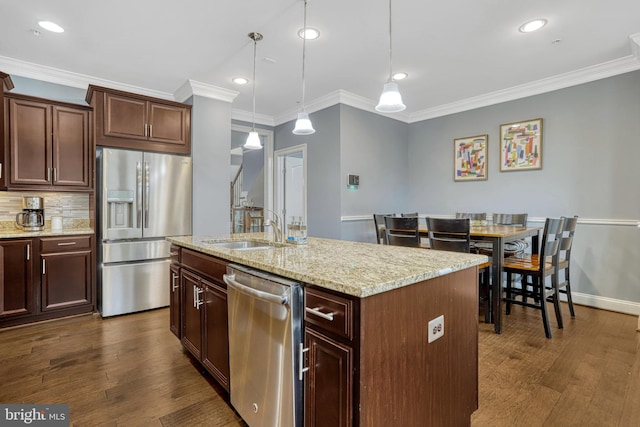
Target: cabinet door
{"points": [[66, 280], [16, 278], [329, 383], [174, 300], [71, 147], [192, 319], [30, 142], [168, 124], [215, 352], [125, 117]]}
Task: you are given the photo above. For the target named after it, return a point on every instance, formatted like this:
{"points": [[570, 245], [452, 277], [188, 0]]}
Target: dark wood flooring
{"points": [[131, 371]]}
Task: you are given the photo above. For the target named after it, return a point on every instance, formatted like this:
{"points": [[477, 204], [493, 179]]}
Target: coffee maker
{"points": [[32, 216]]}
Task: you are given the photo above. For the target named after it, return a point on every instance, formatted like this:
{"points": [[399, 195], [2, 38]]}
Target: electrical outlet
{"points": [[436, 328]]}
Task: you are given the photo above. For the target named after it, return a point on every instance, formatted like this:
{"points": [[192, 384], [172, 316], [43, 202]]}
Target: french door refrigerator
{"points": [[142, 198]]}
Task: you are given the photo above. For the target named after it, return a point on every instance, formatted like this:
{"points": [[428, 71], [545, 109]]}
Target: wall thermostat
{"points": [[353, 181]]}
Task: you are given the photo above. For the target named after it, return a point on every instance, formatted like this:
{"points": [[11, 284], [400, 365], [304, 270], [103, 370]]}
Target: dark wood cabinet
{"points": [[128, 120], [48, 145], [329, 334], [16, 278], [175, 292], [45, 278], [6, 84], [204, 312], [66, 272]]}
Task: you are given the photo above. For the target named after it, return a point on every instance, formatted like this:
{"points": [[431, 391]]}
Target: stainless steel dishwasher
{"points": [[265, 347]]}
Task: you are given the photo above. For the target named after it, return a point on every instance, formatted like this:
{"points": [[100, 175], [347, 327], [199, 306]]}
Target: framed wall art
{"points": [[470, 158], [521, 145]]}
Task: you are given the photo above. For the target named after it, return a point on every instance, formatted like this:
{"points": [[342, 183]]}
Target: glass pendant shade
{"points": [[253, 141], [303, 125], [390, 100]]}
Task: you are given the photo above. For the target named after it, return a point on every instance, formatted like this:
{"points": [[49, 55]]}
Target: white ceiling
{"points": [[458, 54]]}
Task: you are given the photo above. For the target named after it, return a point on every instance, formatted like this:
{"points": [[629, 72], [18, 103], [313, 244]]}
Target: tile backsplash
{"points": [[72, 207]]}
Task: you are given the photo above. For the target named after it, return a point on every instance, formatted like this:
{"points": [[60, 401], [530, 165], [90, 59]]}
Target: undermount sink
{"points": [[242, 245]]}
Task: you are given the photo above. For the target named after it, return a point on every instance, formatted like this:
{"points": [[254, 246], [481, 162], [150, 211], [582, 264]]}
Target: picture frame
{"points": [[521, 145], [470, 158]]}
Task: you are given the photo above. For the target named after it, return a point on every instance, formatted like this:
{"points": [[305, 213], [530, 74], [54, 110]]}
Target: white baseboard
{"points": [[611, 304]]}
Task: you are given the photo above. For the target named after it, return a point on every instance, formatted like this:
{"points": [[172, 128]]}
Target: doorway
{"points": [[291, 182]]}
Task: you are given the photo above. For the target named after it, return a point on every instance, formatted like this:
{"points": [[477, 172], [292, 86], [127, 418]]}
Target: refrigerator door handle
{"points": [[138, 194], [146, 194]]}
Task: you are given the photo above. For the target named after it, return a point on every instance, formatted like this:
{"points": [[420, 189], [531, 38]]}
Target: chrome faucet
{"points": [[277, 226]]}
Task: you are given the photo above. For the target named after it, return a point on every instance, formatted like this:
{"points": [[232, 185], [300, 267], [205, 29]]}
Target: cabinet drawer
{"points": [[209, 266], [330, 312], [58, 244]]}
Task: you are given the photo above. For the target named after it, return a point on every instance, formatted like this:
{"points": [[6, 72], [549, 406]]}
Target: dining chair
{"points": [[535, 268], [454, 235], [510, 248], [563, 262], [378, 222], [401, 231], [474, 216]]}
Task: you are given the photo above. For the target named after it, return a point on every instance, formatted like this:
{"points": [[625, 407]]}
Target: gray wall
{"points": [[323, 170], [210, 148]]}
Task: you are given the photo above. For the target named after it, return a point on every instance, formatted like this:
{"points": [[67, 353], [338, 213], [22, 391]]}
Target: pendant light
{"points": [[253, 140], [390, 100], [303, 124]]}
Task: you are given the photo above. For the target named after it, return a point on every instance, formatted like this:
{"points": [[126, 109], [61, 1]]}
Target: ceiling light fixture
{"points": [[303, 123], [309, 33], [390, 100], [533, 25], [240, 80], [253, 140], [51, 26], [400, 76]]}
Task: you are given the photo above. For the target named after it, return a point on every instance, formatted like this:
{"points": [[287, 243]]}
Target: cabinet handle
{"points": [[150, 131], [199, 302], [173, 253], [301, 368], [174, 276], [145, 130], [0, 170], [28, 252], [67, 243], [48, 174], [44, 267], [55, 174], [194, 296], [317, 312]]}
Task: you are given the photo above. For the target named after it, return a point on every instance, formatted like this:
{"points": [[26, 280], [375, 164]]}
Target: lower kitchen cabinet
{"points": [[204, 313], [16, 279], [60, 284], [329, 382], [175, 296]]}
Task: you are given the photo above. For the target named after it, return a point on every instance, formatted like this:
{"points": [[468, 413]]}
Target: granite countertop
{"points": [[47, 232], [353, 268]]}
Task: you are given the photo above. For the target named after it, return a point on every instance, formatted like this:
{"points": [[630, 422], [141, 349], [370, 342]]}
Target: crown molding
{"points": [[193, 87], [561, 81], [69, 78], [247, 116]]}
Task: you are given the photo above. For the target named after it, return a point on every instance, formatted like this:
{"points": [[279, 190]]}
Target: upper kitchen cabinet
{"points": [[138, 122], [6, 85], [48, 145]]}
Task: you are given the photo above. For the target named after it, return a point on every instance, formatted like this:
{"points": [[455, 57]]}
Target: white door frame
{"points": [[278, 154], [268, 161]]}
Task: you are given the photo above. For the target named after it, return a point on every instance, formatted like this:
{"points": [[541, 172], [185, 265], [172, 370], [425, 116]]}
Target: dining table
{"points": [[497, 236]]}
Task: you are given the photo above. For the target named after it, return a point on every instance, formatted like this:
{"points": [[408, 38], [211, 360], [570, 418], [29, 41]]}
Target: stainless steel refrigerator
{"points": [[142, 198]]}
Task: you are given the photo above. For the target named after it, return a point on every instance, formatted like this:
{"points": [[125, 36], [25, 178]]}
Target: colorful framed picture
{"points": [[521, 145], [470, 158]]}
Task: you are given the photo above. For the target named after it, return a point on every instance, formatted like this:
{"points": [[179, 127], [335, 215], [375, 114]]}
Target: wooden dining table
{"points": [[498, 235]]}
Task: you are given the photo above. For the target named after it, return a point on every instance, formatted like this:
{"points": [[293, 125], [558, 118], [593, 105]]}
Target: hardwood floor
{"points": [[131, 371]]}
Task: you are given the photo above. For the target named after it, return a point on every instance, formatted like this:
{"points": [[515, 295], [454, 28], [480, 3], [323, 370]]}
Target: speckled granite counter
{"points": [[17, 234], [353, 268]]}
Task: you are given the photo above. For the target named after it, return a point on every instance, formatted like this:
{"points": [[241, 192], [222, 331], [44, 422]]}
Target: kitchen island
{"points": [[372, 365]]}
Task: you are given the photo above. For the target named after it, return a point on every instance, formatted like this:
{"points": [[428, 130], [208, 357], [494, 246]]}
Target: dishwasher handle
{"points": [[230, 280]]}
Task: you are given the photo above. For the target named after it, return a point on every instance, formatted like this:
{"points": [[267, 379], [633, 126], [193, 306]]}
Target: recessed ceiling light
{"points": [[51, 26], [531, 26], [310, 34], [240, 80], [400, 76]]}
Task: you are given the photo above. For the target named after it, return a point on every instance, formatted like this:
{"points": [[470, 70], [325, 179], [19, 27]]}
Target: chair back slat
{"points": [[378, 222], [409, 215], [551, 237], [510, 219], [402, 231], [447, 234]]}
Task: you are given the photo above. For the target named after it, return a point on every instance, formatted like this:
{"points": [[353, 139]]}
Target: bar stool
{"points": [[378, 222]]}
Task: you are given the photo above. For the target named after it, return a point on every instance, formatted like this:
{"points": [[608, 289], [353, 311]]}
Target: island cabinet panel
{"points": [[406, 381], [175, 296], [16, 278], [204, 312], [138, 122], [49, 145]]}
